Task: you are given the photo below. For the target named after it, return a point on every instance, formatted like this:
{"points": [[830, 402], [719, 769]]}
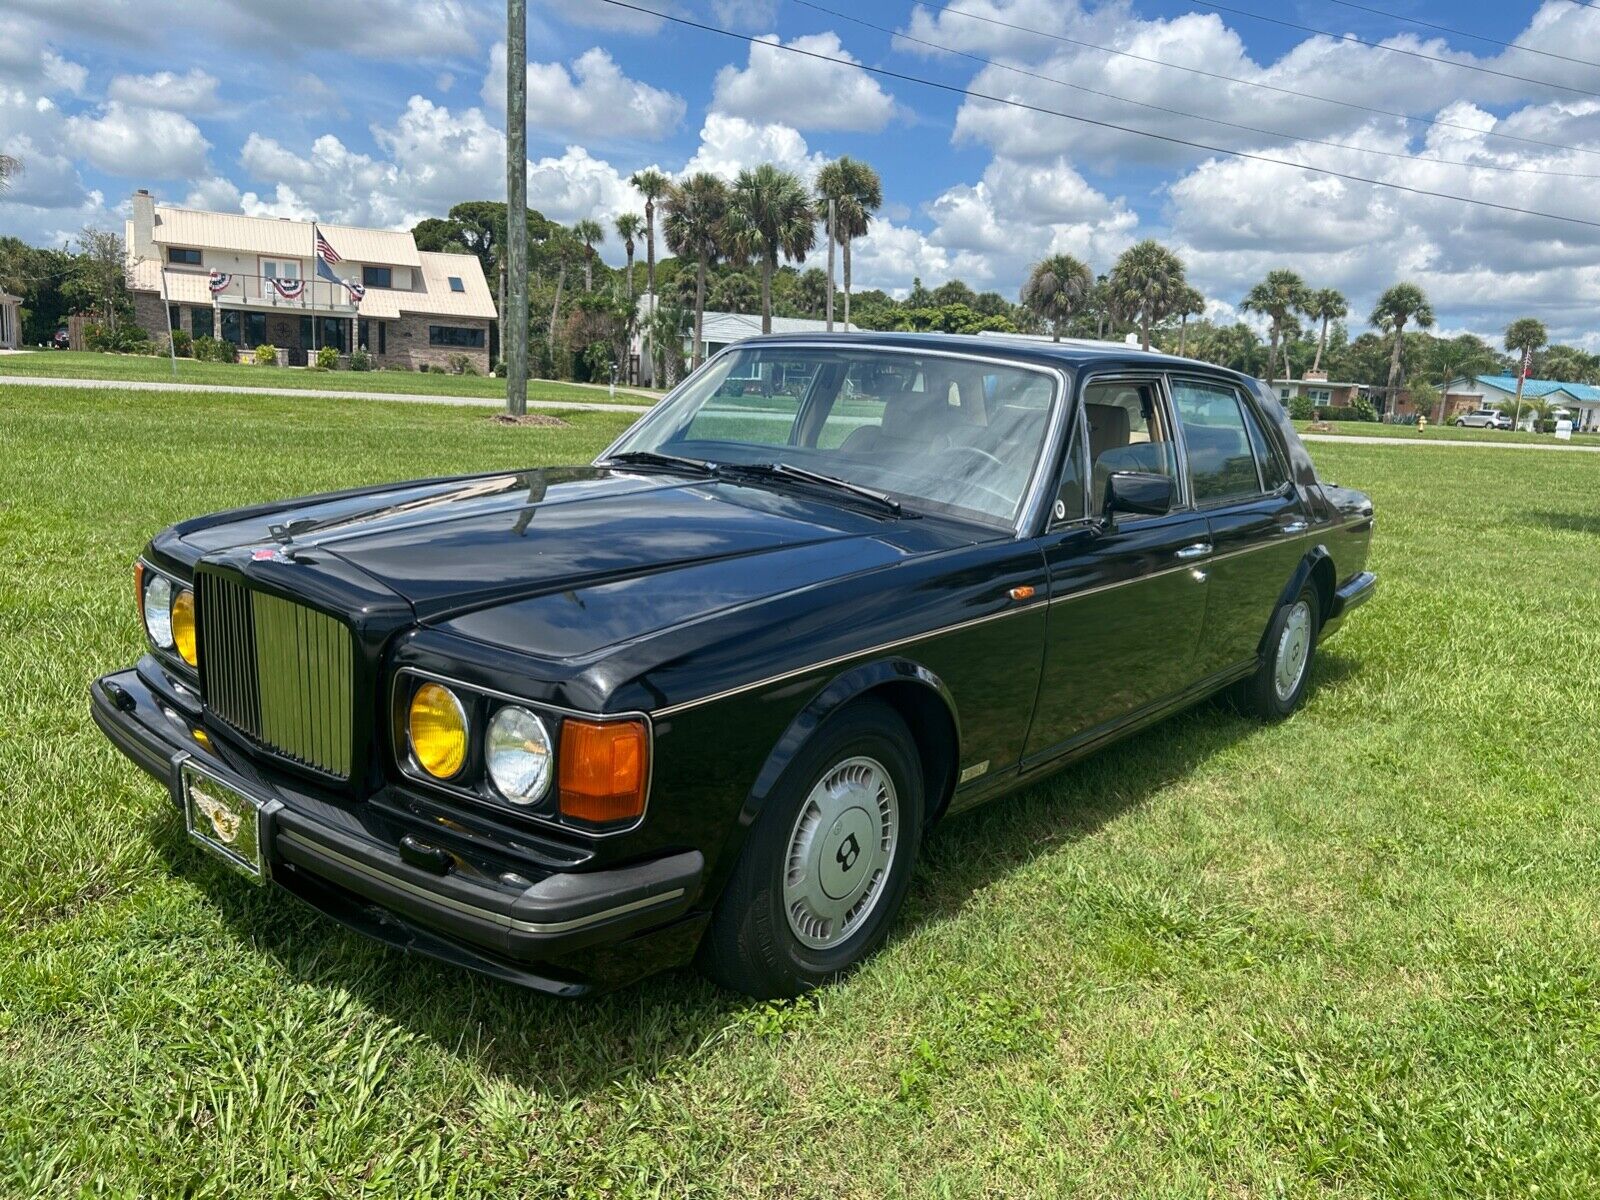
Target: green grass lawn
{"points": [[72, 364], [1447, 433], [1353, 954]]}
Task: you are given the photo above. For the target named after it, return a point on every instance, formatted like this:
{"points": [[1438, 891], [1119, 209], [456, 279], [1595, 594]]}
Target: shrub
{"points": [[182, 343], [266, 355], [1301, 408], [1356, 410], [360, 360], [460, 364], [396, 367], [124, 339], [500, 369], [327, 358], [210, 349]]}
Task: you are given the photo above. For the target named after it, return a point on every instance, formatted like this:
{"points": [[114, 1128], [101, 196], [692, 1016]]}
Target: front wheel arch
{"points": [[916, 694]]}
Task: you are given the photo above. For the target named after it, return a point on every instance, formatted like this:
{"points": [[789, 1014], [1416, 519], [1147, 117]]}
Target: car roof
{"points": [[1071, 353]]}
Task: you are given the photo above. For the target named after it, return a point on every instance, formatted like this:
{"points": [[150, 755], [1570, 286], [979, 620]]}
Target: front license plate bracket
{"points": [[227, 821]]}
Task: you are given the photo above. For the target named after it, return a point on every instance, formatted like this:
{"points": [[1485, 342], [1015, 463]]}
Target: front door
{"points": [[1127, 602]]}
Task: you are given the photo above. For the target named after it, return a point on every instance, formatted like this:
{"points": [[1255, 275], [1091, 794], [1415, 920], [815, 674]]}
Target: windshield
{"points": [[936, 433]]}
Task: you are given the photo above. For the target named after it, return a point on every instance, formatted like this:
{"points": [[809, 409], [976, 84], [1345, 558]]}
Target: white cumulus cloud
{"points": [[593, 99], [806, 93]]}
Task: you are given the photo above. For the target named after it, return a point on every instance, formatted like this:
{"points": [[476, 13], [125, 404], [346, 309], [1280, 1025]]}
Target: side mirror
{"points": [[1140, 492]]}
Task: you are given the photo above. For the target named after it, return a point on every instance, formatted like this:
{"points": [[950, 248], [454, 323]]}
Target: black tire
{"points": [[750, 945], [1261, 694], [1460, 423]]}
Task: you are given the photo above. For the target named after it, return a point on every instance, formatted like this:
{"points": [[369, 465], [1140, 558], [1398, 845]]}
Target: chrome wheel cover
{"points": [[1294, 650], [836, 867]]}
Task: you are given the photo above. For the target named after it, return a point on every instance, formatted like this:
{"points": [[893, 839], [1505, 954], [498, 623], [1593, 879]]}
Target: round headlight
{"points": [[182, 622], [437, 728], [517, 752], [158, 610]]}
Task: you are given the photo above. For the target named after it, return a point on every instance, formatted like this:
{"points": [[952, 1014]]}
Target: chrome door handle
{"points": [[1195, 550], [1296, 527]]}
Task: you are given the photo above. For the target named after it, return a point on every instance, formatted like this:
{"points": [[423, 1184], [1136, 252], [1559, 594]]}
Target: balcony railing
{"points": [[304, 294]]}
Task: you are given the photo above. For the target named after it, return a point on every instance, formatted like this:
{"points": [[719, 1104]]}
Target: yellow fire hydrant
{"points": [[1422, 424]]}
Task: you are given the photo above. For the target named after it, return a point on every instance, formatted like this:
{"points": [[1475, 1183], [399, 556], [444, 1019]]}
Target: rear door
{"points": [[1127, 605], [1253, 515]]}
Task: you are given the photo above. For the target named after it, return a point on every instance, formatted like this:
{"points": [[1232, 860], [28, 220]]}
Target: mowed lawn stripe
{"points": [[1350, 954]]}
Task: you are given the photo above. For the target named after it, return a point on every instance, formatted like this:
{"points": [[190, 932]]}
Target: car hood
{"points": [[452, 547]]}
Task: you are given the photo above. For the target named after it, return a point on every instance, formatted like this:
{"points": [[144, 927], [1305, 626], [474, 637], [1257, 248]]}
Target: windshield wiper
{"points": [[790, 471], [655, 458]]}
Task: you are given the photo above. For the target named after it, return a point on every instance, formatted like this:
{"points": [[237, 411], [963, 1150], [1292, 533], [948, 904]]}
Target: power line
{"points": [[1055, 112], [1378, 12], [1352, 38], [1270, 87], [1178, 112]]}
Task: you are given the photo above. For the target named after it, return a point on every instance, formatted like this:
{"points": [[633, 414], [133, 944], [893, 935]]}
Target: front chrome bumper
{"points": [[532, 925]]}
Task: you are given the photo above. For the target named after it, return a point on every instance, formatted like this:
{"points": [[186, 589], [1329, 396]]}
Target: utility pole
{"points": [[833, 216], [516, 321]]}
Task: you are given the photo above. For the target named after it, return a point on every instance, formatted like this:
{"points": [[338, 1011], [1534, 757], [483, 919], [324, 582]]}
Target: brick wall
{"points": [[149, 314], [407, 343]]}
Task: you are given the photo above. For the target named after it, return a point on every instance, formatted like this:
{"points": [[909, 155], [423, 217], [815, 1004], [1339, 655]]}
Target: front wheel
{"points": [[1460, 423], [1279, 685], [826, 866]]}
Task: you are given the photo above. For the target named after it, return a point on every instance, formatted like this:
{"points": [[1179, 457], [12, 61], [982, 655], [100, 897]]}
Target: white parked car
{"points": [[1484, 418]]}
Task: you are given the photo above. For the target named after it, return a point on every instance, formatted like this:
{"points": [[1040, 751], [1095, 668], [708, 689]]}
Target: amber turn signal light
{"points": [[138, 587], [603, 770]]}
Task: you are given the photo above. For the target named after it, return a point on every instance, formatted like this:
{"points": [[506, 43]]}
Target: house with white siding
{"points": [[255, 281], [1581, 400]]}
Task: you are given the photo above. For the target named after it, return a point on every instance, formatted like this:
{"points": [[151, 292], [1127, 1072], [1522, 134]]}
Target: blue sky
{"points": [[384, 111]]}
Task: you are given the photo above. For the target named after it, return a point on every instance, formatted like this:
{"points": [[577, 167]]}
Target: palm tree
{"points": [[1459, 358], [857, 193], [770, 214], [628, 226], [9, 166], [588, 232], [1401, 305], [560, 245], [1277, 297], [1056, 290], [696, 227], [652, 185], [1523, 337], [1147, 284], [1326, 304], [1191, 304]]}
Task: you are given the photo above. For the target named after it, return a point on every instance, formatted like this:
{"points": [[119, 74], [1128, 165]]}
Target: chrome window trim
{"points": [[1029, 502], [475, 753], [169, 658]]}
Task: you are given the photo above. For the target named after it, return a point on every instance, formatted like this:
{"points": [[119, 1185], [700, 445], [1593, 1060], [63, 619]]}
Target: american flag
{"points": [[326, 252]]}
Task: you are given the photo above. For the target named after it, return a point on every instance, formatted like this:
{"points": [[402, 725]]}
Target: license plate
{"points": [[226, 821]]}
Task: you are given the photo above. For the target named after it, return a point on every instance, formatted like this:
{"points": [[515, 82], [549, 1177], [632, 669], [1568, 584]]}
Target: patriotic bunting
{"points": [[289, 289], [355, 289], [218, 282]]}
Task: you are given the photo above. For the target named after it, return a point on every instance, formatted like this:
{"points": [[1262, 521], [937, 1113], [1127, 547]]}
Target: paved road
{"points": [[145, 385], [1403, 441]]}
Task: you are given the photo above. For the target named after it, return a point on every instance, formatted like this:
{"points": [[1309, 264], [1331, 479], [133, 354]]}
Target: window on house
{"points": [[280, 268], [454, 335], [456, 285], [183, 255], [1321, 395], [203, 326], [175, 316], [377, 277]]}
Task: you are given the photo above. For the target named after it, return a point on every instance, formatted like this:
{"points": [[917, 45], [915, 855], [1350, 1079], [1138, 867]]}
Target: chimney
{"points": [[1316, 377], [142, 245]]}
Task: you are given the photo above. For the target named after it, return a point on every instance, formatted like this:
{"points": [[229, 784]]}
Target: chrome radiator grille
{"points": [[278, 672]]}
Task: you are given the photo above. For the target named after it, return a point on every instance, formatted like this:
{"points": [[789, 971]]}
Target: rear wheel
{"points": [[1279, 685], [826, 866]]}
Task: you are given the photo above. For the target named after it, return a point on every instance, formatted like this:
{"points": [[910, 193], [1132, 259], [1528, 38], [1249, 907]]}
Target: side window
{"points": [[1273, 475], [759, 406], [1222, 465], [1128, 431]]}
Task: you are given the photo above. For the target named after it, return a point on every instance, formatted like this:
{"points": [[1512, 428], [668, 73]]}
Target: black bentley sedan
{"points": [[701, 699]]}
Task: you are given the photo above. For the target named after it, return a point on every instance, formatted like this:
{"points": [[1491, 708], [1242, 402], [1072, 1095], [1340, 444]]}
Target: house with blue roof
{"points": [[1581, 400]]}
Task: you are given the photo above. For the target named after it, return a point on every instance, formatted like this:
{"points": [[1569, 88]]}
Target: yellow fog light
{"points": [[437, 729], [183, 625]]}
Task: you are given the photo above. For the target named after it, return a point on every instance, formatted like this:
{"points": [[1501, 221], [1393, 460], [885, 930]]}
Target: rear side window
{"points": [[1222, 461], [1273, 475]]}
